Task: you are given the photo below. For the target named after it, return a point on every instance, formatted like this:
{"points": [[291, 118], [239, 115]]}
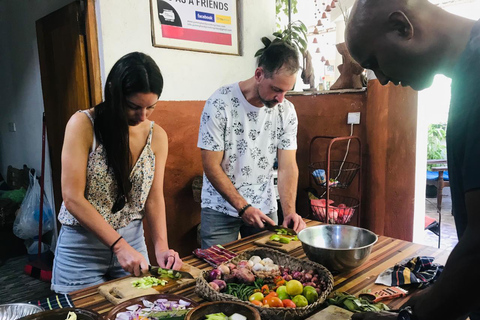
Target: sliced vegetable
{"points": [[155, 310], [148, 282], [237, 316], [71, 316], [216, 316], [168, 273], [284, 240], [275, 237]]}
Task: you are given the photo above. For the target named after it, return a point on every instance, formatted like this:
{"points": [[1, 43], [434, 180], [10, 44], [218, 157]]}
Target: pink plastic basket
{"points": [[340, 209]]}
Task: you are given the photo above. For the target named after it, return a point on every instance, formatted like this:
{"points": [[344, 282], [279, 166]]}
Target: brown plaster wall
{"points": [[388, 142], [181, 120], [325, 115], [390, 160]]}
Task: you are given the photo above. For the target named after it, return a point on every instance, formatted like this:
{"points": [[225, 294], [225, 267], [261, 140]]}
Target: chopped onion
{"points": [[184, 303]]}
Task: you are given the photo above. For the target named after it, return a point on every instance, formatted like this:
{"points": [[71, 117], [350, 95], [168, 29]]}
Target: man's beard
{"points": [[267, 103]]}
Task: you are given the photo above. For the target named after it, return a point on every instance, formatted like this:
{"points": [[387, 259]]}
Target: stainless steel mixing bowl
{"points": [[12, 311], [337, 247]]}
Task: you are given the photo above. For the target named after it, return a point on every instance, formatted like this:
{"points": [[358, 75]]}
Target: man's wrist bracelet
{"points": [[242, 211], [113, 244]]}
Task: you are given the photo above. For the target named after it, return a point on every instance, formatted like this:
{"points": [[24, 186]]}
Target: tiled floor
{"points": [[448, 237]]}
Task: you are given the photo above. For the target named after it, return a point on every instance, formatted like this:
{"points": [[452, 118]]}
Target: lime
{"points": [[283, 296], [281, 289], [294, 287], [282, 293], [256, 296], [310, 293], [300, 301]]}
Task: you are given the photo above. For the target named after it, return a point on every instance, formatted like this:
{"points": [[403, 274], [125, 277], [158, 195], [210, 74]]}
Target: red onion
{"points": [[214, 274]]}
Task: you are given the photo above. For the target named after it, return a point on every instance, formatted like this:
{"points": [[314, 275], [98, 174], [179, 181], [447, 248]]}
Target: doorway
{"points": [[433, 106]]}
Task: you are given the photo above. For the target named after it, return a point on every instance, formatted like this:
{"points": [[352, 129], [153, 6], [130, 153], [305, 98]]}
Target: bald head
{"points": [[399, 40], [376, 17]]}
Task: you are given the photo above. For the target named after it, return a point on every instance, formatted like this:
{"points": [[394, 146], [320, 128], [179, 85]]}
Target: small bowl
{"points": [[61, 314], [338, 247], [227, 307], [11, 311]]}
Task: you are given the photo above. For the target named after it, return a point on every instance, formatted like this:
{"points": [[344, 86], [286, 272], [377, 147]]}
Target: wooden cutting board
{"points": [[284, 247], [122, 290], [332, 313]]}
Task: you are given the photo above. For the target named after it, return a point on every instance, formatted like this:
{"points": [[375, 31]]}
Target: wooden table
{"points": [[385, 254]]}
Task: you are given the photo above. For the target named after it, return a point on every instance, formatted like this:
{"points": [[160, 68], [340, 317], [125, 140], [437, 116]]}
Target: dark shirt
{"points": [[463, 129]]}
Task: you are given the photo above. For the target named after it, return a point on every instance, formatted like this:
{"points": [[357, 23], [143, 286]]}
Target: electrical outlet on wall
{"points": [[353, 118]]}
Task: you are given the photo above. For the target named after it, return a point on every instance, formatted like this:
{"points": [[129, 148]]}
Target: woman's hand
{"points": [[169, 259], [130, 259]]}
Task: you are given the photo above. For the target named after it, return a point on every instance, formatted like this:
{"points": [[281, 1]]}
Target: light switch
{"points": [[353, 118], [12, 127]]}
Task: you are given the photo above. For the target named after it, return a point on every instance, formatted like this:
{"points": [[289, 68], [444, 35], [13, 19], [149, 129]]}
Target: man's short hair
{"points": [[277, 55]]}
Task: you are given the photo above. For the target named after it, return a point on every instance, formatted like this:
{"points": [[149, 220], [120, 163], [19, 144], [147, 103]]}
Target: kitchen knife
{"points": [[169, 273], [282, 230]]}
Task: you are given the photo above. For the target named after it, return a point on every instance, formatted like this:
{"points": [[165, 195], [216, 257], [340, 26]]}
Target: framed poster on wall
{"points": [[198, 25]]}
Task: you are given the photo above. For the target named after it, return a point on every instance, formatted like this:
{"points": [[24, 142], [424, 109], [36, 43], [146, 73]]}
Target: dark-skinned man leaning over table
{"points": [[408, 42]]}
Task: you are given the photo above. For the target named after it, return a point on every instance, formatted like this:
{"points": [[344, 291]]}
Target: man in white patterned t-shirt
{"points": [[245, 128]]}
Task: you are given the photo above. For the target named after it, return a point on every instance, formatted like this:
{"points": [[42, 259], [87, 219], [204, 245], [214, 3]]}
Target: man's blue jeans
{"points": [[219, 228]]}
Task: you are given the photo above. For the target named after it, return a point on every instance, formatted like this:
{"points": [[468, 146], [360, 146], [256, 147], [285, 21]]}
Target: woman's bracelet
{"points": [[242, 211], [113, 244]]}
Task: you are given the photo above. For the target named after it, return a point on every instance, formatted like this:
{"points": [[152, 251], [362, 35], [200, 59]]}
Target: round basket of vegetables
{"points": [[297, 290]]}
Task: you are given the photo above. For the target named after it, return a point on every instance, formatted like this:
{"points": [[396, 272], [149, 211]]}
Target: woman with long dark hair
{"points": [[113, 163]]}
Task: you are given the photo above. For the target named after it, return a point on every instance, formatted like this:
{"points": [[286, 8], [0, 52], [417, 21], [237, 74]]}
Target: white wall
{"points": [[124, 26]]}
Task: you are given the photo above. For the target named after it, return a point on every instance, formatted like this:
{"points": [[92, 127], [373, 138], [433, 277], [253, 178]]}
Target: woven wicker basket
{"points": [[204, 290]]}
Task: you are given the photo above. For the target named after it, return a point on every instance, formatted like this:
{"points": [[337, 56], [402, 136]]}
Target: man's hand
{"points": [[382, 315], [169, 259], [295, 221], [255, 217]]}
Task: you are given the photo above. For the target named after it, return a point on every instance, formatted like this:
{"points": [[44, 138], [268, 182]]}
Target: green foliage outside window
{"points": [[281, 6], [436, 143]]}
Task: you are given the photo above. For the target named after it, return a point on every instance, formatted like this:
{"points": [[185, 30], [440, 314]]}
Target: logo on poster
{"points": [[204, 16]]}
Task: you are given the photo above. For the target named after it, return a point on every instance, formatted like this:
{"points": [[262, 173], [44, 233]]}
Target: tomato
{"points": [[257, 303], [287, 303], [256, 296], [272, 294], [274, 302]]}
